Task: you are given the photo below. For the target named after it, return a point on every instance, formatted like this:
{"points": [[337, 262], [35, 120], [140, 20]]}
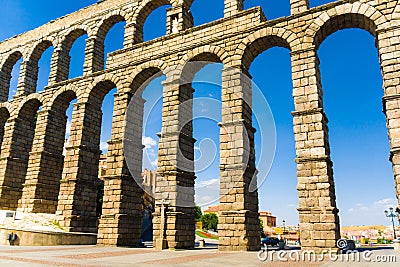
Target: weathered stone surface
{"points": [[36, 177]]}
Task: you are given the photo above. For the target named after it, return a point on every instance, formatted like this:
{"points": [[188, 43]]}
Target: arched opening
{"points": [[352, 83], [38, 67], [82, 160], [207, 114], [130, 185], [205, 11], [99, 53], [114, 39], [4, 115], [46, 161], [272, 9], [72, 55], [15, 74], [268, 62], [44, 68], [154, 19], [107, 111], [57, 129], [148, 90], [10, 74], [18, 149]]}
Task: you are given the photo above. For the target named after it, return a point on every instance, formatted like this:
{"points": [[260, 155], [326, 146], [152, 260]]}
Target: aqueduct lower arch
{"points": [[29, 183]]}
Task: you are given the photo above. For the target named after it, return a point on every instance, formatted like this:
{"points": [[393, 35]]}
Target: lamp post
{"points": [[283, 222], [392, 216], [283, 231]]}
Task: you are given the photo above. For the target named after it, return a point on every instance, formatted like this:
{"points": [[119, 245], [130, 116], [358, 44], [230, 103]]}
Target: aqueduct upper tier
{"points": [[35, 176]]}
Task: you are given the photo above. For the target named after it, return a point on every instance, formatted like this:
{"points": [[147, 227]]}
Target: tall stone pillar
{"points": [[5, 79], [238, 226], [319, 220], [174, 218], [298, 6], [27, 79], [232, 7], [76, 210], [121, 219], [59, 66], [94, 55], [179, 18], [19, 132], [4, 116], [130, 36], [42, 184], [388, 49]]}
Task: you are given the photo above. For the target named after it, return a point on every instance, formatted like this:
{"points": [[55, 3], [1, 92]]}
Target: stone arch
{"points": [[32, 66], [361, 16], [143, 11], [205, 54], [63, 57], [61, 100], [143, 73], [46, 159], [30, 98], [97, 49], [101, 81], [260, 41], [20, 134], [99, 91], [53, 99], [5, 73]]}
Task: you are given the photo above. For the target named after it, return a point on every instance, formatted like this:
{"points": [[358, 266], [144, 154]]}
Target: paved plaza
{"points": [[209, 256]]}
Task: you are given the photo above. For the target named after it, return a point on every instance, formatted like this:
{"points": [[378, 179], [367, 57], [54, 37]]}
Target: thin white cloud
{"points": [[148, 142], [154, 163], [68, 128], [374, 209], [104, 147], [385, 201], [207, 182]]}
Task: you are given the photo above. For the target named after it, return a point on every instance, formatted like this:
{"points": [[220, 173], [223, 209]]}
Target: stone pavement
{"points": [[80, 256]]}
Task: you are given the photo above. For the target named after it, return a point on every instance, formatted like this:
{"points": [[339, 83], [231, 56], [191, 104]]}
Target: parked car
{"points": [[270, 241]]}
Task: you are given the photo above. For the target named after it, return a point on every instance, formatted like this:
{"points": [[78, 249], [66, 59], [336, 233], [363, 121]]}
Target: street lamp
{"points": [[283, 222], [392, 216]]}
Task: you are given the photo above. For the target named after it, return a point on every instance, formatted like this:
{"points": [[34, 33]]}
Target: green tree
{"points": [[209, 221], [262, 228], [198, 213]]}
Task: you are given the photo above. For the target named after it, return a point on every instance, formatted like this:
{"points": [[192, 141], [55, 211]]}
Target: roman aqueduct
{"points": [[36, 177]]}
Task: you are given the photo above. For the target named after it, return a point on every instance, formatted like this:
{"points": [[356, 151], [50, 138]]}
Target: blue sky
{"points": [[352, 87]]}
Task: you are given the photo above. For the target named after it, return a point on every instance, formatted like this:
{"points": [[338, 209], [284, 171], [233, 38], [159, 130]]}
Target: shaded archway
{"points": [[352, 85], [97, 46], [78, 192], [373, 128], [21, 133], [125, 154], [42, 186], [63, 71], [31, 68], [6, 75], [256, 59], [4, 115], [146, 18]]}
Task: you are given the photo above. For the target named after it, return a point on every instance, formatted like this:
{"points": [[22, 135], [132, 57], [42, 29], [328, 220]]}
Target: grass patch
{"points": [[206, 235], [57, 224]]}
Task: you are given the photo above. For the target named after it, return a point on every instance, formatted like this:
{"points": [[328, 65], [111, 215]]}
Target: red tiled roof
{"points": [[212, 209]]}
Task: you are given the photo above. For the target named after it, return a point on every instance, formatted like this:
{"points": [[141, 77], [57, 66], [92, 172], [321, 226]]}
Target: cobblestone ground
{"points": [[209, 256]]}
